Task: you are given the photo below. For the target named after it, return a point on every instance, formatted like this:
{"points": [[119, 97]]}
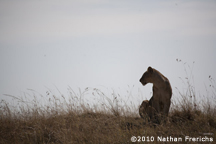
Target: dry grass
{"points": [[73, 121], [97, 118]]}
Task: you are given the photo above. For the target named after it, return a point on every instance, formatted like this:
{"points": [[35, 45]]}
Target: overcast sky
{"points": [[104, 43]]}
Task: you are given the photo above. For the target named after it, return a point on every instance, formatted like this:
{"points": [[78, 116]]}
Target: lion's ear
{"points": [[150, 69]]}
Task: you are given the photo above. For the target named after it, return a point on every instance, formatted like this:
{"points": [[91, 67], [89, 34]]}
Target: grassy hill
{"points": [[72, 122]]}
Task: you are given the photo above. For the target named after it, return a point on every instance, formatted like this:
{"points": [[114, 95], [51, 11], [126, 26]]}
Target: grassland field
{"points": [[74, 121]]}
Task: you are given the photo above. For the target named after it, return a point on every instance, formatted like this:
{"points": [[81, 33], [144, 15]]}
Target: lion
{"points": [[146, 110], [162, 91]]}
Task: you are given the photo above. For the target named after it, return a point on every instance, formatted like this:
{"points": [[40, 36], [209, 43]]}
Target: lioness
{"points": [[162, 91]]}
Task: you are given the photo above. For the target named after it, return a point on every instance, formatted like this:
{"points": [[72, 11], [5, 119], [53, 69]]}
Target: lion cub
{"points": [[162, 91], [146, 110]]}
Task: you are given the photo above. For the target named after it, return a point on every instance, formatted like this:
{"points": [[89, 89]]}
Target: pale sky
{"points": [[109, 43]]}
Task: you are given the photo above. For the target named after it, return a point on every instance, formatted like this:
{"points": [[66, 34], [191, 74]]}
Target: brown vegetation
{"points": [[55, 119], [57, 124]]}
